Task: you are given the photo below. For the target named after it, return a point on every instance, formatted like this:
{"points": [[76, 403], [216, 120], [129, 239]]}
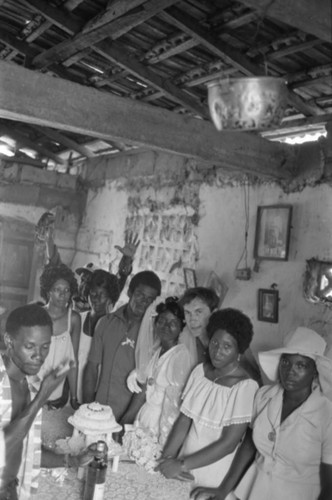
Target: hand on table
{"points": [[130, 245], [169, 467]]}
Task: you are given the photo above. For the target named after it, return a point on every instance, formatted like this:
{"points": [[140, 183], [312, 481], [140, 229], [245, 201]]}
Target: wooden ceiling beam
{"points": [[186, 23], [292, 49], [56, 15], [114, 29], [310, 16], [114, 9], [29, 53], [302, 122], [65, 141], [119, 56], [175, 17], [39, 99], [24, 141], [69, 6]]}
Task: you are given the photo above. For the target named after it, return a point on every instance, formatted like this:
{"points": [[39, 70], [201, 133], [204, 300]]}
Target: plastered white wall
{"points": [[221, 241], [102, 227], [220, 237]]}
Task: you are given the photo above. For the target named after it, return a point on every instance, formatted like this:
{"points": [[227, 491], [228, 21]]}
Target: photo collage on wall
{"points": [[168, 244]]}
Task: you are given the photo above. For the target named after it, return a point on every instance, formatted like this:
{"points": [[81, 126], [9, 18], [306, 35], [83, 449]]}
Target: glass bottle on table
{"points": [[96, 474]]}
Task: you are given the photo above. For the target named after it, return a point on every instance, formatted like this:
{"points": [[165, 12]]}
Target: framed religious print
{"points": [[273, 232], [268, 305], [189, 277]]}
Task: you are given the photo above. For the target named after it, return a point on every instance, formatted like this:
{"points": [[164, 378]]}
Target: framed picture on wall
{"points": [[189, 277], [268, 305], [273, 232]]}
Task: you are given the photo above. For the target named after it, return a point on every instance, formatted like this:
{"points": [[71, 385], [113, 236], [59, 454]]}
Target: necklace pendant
{"points": [[272, 435], [150, 381]]}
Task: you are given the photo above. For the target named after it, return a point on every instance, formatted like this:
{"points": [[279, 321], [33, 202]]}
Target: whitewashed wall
{"points": [[220, 241]]}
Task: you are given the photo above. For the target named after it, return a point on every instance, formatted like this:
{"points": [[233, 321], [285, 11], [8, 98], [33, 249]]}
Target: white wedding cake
{"points": [[95, 421]]}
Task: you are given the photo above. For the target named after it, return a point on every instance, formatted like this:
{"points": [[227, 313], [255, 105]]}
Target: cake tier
{"points": [[94, 418]]}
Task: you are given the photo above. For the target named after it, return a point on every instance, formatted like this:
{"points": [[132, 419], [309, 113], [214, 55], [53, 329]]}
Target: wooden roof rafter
{"points": [[65, 141], [113, 29], [24, 141], [221, 49], [306, 15], [45, 103]]}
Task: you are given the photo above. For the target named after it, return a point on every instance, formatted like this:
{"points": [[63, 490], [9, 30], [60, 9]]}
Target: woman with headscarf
{"points": [[290, 443]]}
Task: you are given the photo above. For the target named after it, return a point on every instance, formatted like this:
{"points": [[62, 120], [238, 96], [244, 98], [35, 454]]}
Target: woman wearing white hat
{"points": [[291, 437]]}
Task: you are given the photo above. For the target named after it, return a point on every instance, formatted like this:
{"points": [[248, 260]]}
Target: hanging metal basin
{"points": [[247, 103]]}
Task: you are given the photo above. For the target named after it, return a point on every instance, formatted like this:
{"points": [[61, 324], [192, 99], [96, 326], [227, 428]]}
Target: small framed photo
{"points": [[273, 232], [189, 277], [268, 305]]}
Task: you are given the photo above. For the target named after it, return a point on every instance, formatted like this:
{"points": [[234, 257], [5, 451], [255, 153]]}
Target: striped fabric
{"points": [[30, 465]]}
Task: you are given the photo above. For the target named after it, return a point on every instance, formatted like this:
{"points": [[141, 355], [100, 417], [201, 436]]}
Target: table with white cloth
{"points": [[130, 482]]}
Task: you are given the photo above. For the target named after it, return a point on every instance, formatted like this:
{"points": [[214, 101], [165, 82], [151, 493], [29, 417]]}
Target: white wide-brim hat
{"points": [[305, 342]]}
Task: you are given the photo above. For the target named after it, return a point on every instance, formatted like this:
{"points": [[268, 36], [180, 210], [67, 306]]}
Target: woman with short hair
{"points": [[290, 444], [217, 405]]}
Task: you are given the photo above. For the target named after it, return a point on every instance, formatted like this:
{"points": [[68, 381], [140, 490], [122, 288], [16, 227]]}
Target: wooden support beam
{"points": [[119, 56], [302, 122], [39, 99], [310, 16], [114, 9], [24, 141], [56, 15], [69, 5], [25, 49], [184, 22], [292, 49], [175, 17], [113, 30], [65, 141]]}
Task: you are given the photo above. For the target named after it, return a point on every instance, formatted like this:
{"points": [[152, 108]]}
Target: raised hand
{"points": [[130, 245], [45, 227]]}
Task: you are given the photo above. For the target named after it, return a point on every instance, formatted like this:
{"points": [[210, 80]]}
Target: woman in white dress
{"points": [[57, 286], [157, 406], [217, 405], [290, 444]]}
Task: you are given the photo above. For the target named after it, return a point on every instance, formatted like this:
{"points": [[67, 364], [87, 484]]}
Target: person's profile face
{"points": [[29, 347], [197, 314]]}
